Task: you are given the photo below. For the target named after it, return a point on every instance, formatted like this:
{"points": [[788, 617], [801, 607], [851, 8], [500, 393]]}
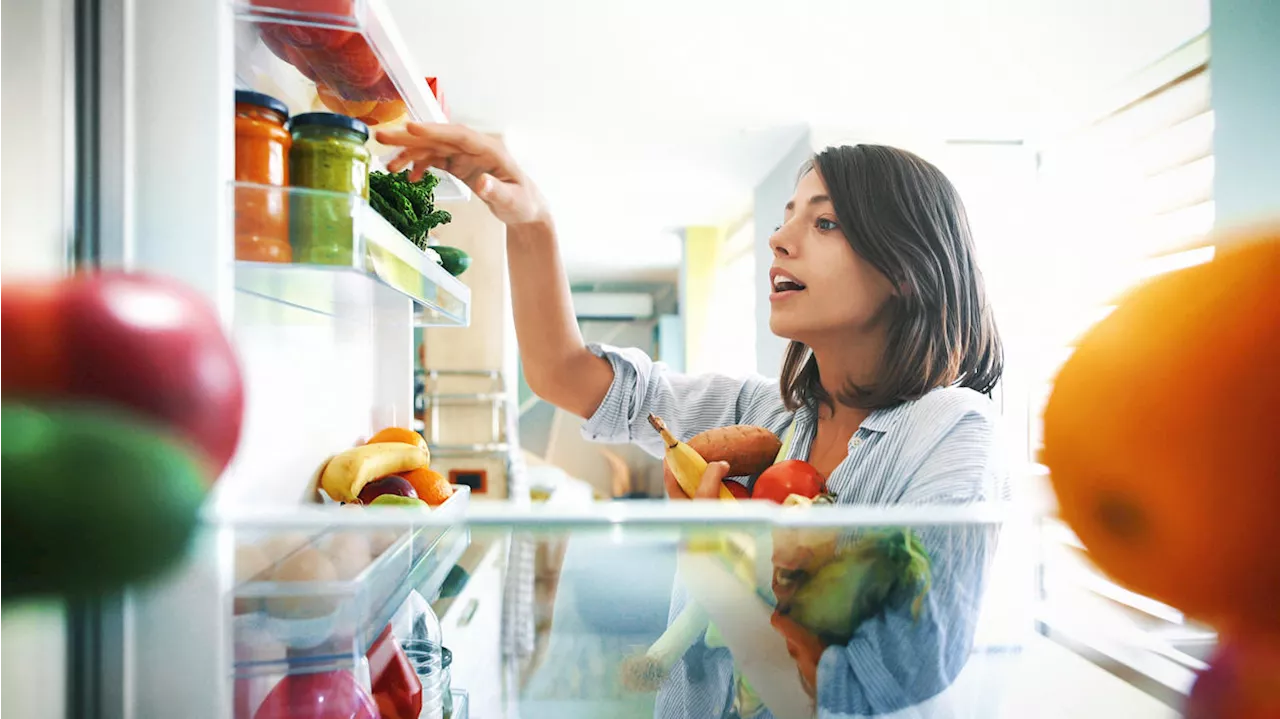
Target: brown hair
{"points": [[902, 215]]}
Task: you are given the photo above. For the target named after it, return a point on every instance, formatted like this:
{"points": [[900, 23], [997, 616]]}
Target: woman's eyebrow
{"points": [[815, 200]]}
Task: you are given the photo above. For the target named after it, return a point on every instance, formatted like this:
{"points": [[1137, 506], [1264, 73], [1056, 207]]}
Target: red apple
{"points": [[393, 484], [144, 343], [319, 695]]}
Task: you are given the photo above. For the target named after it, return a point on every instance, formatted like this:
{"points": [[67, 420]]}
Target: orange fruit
{"points": [[1161, 438], [431, 486], [385, 112], [336, 103], [398, 434]]}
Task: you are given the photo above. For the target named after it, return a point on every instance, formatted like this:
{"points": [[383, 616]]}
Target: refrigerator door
{"points": [[46, 204]]}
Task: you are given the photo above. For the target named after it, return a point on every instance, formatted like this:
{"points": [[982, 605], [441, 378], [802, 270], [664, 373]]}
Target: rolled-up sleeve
{"points": [[688, 404], [896, 661]]}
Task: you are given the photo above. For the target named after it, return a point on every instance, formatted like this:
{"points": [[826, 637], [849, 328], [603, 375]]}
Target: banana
{"points": [[686, 464], [348, 473]]}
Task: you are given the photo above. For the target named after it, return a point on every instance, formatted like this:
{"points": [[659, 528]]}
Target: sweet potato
{"points": [[749, 450]]}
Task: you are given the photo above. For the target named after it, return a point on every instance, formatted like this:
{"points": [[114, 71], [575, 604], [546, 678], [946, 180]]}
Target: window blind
{"points": [[1132, 197]]}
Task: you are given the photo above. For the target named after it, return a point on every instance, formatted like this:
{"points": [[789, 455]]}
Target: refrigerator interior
{"points": [[328, 357]]}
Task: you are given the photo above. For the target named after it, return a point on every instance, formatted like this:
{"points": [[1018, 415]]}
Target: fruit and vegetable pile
{"points": [[827, 585], [391, 468], [1161, 441], [123, 402]]}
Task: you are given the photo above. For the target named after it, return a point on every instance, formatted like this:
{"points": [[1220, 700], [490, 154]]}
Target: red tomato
{"points": [[145, 343], [739, 491], [354, 63], [332, 12], [783, 479], [272, 37]]}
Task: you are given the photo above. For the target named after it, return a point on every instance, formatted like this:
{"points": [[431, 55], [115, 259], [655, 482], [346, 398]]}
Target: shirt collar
{"points": [[880, 420], [884, 419]]}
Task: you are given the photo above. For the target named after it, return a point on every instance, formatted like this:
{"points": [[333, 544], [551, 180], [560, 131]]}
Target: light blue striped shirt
{"points": [[940, 449]]}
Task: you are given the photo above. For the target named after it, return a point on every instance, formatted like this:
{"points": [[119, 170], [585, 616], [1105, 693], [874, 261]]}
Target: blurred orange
{"points": [[431, 486], [399, 434], [1162, 444]]}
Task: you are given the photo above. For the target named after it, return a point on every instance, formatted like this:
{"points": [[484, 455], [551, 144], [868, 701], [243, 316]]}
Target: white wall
{"points": [[770, 197]]}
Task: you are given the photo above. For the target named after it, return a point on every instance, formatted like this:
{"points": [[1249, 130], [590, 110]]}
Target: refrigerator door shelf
{"points": [[368, 255], [343, 56]]}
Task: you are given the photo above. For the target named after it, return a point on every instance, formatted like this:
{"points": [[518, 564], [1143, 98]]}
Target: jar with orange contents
{"points": [[262, 158]]}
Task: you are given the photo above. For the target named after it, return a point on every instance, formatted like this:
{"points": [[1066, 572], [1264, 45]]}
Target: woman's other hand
{"points": [[708, 487], [481, 161]]}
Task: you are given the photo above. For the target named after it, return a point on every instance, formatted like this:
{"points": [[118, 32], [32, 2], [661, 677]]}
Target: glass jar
{"points": [[262, 158], [328, 155]]}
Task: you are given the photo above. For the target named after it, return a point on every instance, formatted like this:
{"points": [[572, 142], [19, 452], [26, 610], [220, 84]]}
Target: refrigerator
{"points": [[119, 147]]}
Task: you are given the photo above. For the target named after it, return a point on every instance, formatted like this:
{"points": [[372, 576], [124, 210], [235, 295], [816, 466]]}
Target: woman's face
{"points": [[822, 291]]}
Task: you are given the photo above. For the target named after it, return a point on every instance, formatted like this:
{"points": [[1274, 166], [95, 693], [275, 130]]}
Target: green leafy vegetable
{"points": [[408, 206], [881, 570]]}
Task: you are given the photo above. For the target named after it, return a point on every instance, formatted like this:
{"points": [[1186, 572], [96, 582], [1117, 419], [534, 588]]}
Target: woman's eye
{"points": [[826, 225]]}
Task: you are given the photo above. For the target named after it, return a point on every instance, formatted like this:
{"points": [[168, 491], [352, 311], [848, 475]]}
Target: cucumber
{"points": [[93, 500], [453, 260]]}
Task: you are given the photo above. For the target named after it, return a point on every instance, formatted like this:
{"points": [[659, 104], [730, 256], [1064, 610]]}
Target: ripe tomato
{"points": [[739, 491], [332, 12], [355, 63], [792, 476]]}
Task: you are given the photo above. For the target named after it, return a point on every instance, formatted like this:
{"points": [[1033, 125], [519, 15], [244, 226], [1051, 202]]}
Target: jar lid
{"points": [[331, 119], [249, 97]]}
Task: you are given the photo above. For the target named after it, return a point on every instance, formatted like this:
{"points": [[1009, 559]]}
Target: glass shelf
{"points": [[348, 586], [343, 56], [340, 244]]}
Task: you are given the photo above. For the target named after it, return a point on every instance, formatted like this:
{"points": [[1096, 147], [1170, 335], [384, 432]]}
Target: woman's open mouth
{"points": [[784, 285]]}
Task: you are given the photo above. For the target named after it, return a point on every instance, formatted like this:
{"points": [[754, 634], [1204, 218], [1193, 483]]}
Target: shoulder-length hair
{"points": [[902, 215]]}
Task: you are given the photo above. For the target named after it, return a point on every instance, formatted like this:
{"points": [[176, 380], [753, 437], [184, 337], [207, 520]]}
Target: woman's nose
{"points": [[781, 243]]}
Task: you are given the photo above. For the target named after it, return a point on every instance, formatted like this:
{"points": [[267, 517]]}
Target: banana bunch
{"points": [[347, 473]]}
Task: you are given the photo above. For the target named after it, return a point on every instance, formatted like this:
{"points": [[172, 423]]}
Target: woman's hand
{"points": [[708, 486], [478, 160], [804, 647]]}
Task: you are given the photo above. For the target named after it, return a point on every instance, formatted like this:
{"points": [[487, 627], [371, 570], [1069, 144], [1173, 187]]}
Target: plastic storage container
{"points": [[262, 158], [328, 153]]}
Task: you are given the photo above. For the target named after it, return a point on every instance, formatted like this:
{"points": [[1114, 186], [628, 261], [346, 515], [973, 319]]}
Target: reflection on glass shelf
{"points": [[342, 56], [338, 246], [691, 606]]}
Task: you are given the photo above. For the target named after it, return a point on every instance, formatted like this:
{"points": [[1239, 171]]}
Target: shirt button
{"points": [[857, 442]]}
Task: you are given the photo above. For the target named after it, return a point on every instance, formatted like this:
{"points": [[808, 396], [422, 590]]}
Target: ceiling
{"points": [[638, 117]]}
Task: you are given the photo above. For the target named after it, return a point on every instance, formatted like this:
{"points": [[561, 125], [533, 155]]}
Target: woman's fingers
{"points": [[709, 486]]}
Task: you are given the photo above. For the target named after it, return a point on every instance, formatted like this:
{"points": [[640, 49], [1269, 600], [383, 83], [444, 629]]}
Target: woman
{"points": [[893, 351]]}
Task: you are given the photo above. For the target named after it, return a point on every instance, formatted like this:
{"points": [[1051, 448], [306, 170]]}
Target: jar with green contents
{"points": [[328, 154]]}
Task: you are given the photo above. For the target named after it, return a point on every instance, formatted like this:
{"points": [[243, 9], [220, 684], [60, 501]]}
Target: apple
{"points": [[395, 500], [138, 342], [332, 694], [394, 485]]}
